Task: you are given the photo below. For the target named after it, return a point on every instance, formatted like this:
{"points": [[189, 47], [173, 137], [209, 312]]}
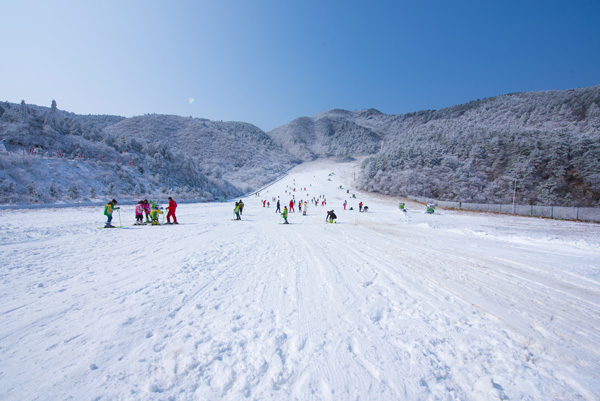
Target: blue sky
{"points": [[268, 62]]}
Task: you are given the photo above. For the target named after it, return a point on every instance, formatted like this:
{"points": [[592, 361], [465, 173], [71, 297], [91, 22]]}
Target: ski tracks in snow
{"points": [[378, 306]]}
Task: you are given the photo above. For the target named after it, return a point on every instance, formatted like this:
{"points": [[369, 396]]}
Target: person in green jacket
{"points": [[284, 214], [154, 214], [108, 211]]}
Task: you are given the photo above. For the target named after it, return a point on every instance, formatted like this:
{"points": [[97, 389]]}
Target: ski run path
{"points": [[379, 306]]}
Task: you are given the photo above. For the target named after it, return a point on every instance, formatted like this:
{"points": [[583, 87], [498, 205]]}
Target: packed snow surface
{"points": [[378, 306]]}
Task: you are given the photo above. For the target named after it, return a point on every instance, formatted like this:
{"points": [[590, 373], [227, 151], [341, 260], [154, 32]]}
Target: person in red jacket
{"points": [[292, 206], [171, 208]]}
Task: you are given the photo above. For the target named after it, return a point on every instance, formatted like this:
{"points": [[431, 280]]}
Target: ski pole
{"points": [[119, 217]]}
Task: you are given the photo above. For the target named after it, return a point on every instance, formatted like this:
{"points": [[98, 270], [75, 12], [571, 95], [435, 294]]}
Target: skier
{"points": [[236, 210], [278, 210], [292, 206], [365, 208], [139, 213], [360, 207], [264, 203], [304, 210], [330, 216], [154, 214], [147, 209], [402, 207], [108, 211], [241, 206], [430, 209], [345, 203], [171, 208], [284, 214]]}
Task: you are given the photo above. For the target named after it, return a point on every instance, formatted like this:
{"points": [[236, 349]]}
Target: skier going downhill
{"points": [[330, 216], [284, 214]]}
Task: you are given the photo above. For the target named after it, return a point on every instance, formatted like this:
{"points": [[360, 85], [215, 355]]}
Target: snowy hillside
{"points": [[549, 141], [242, 153], [379, 306], [55, 156], [329, 134]]}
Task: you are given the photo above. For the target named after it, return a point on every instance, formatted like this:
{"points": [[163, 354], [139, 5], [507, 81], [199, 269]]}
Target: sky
{"points": [[268, 62]]}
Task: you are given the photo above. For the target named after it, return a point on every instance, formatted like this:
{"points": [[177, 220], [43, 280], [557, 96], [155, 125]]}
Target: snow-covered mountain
{"points": [[56, 156], [329, 134], [549, 141]]}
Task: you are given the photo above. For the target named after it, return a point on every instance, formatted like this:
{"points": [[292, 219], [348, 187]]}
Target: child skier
{"points": [[108, 211], [147, 210], [154, 214], [284, 214], [139, 213], [171, 208]]}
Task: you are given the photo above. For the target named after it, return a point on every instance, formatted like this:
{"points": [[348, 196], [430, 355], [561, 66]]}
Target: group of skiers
{"points": [[151, 209]]}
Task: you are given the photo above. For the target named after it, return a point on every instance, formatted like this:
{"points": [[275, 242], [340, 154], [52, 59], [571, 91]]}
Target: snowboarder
{"points": [[139, 213], [278, 210], [171, 208], [330, 216], [284, 214], [108, 211], [236, 210]]}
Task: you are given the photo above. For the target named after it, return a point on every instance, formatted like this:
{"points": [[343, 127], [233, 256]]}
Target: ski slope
{"points": [[379, 306]]}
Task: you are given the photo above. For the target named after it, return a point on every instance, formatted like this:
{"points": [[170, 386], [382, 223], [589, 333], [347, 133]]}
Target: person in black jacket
{"points": [[331, 216]]}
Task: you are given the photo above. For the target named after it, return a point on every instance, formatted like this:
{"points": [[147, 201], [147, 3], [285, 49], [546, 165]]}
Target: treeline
{"points": [[55, 156], [548, 141]]}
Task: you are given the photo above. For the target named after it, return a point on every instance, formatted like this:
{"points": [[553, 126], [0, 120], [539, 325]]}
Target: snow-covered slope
{"points": [[549, 141], [379, 306]]}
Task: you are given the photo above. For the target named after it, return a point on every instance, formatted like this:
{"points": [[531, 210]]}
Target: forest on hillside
{"points": [[56, 156], [548, 142]]}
